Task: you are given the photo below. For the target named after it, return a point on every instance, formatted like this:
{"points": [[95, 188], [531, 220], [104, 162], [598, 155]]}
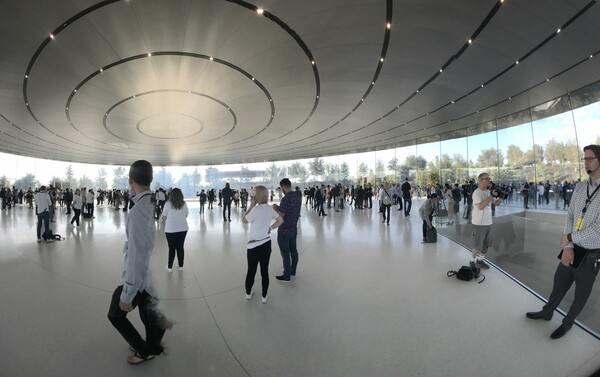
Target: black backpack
{"points": [[467, 273], [47, 236]]}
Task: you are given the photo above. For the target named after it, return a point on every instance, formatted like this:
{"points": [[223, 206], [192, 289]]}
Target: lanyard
{"points": [[590, 198]]}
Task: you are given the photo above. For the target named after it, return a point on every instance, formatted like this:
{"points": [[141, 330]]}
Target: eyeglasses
{"points": [[589, 158]]}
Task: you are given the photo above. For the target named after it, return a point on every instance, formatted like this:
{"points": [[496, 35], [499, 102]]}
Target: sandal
{"points": [[137, 358]]}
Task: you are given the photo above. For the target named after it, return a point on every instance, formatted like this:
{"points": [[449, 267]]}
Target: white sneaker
{"points": [[180, 268], [264, 299], [249, 296], [169, 269]]}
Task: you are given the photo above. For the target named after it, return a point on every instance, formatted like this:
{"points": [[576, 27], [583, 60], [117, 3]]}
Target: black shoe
{"points": [[282, 279], [560, 331], [538, 315]]}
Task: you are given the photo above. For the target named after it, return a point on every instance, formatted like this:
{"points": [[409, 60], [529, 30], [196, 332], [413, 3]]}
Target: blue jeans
{"points": [[407, 206], [45, 217], [289, 253]]}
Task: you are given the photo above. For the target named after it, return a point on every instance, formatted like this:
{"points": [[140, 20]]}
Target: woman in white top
{"points": [[385, 199], [175, 211], [77, 203], [260, 215], [448, 196]]}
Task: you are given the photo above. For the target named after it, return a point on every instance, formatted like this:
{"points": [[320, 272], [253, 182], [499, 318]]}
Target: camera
{"points": [[497, 192]]}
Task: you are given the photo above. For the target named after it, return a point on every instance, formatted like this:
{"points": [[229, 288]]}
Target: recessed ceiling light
{"points": [[312, 62], [470, 41], [482, 85], [389, 25], [260, 10], [362, 99], [381, 60], [75, 91], [149, 54], [441, 70], [28, 76], [372, 82], [211, 58], [51, 36], [547, 80], [517, 62], [591, 56], [253, 79], [451, 101], [558, 31], [101, 70]]}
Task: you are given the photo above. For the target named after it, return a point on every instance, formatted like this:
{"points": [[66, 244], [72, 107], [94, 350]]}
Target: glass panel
{"points": [[484, 155], [427, 162]]}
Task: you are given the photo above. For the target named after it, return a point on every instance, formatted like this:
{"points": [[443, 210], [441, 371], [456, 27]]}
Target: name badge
{"points": [[579, 224]]}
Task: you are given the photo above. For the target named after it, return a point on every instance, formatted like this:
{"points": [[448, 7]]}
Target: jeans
{"points": [[45, 217], [175, 241], [289, 253], [386, 208], [407, 206], [260, 254], [152, 318]]}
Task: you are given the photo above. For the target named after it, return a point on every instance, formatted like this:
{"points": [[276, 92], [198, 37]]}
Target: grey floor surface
{"points": [[369, 300]]}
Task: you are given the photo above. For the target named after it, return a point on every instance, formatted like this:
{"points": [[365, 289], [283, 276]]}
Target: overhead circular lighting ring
{"points": [[137, 95]]}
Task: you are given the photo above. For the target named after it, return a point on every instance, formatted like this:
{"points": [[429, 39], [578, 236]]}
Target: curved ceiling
{"points": [[200, 82]]}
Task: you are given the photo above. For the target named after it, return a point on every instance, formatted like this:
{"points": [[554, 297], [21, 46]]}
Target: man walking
{"points": [[136, 288], [289, 209], [407, 197], [227, 196], [580, 243]]}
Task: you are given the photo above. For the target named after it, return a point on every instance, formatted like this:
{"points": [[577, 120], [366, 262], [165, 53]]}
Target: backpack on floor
{"points": [[466, 273], [431, 235], [51, 235]]}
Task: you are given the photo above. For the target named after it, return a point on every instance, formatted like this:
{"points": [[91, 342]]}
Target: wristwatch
{"points": [[569, 237]]}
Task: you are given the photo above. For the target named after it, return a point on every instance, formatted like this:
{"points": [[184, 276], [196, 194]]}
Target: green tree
{"points": [[274, 174], [26, 181], [536, 154], [162, 178], [298, 172], [100, 182], [514, 156], [316, 167], [245, 175], [120, 181], [344, 172], [363, 170], [70, 180], [379, 170], [415, 162], [491, 157], [86, 182], [211, 175]]}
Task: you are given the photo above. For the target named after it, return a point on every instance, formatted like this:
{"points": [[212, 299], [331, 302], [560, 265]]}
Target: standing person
{"points": [[260, 215], [227, 196], [202, 198], [580, 243], [68, 200], [319, 196], [161, 199], [525, 194], [426, 212], [90, 202], [211, 198], [407, 197], [77, 203], [481, 220], [176, 227], [450, 198], [136, 287], [386, 202], [289, 210], [42, 210]]}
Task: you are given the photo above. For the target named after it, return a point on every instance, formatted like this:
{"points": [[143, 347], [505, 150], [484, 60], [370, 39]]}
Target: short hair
{"points": [[261, 194], [594, 148], [285, 183], [141, 172], [43, 188], [482, 175], [176, 198]]}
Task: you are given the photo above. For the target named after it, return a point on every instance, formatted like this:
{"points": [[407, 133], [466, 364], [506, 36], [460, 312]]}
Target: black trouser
{"points": [[260, 254], [426, 227], [584, 278], [90, 209], [76, 216], [44, 218], [407, 206], [227, 206], [152, 318], [386, 208], [202, 207], [68, 208], [175, 241]]}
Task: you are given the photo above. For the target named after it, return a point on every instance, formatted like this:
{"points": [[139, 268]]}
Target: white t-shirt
{"points": [[176, 218], [260, 217], [481, 216]]}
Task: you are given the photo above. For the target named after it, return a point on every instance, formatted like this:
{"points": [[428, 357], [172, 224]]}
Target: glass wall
{"points": [[533, 155]]}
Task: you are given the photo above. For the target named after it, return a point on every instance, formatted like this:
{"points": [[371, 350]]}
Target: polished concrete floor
{"points": [[368, 300]]}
